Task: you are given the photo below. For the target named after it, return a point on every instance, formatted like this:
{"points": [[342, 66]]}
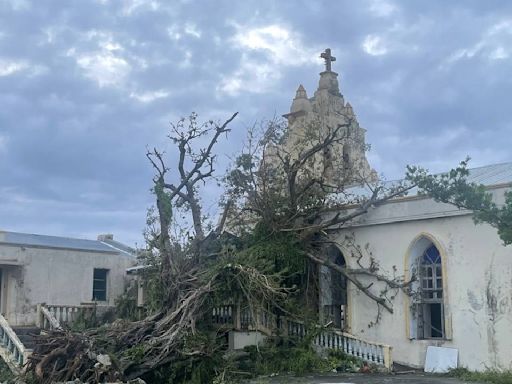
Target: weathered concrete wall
{"points": [[240, 340], [477, 281], [55, 276]]}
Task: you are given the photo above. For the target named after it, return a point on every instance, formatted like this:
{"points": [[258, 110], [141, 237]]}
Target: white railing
{"points": [[13, 351], [244, 318], [224, 315], [330, 339], [54, 316], [45, 319], [376, 353], [294, 328], [266, 321], [67, 314], [333, 339]]}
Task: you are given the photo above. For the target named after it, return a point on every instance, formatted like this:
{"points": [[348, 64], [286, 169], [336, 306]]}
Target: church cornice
{"points": [[294, 114]]}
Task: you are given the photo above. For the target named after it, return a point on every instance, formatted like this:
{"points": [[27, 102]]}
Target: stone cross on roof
{"points": [[328, 59]]}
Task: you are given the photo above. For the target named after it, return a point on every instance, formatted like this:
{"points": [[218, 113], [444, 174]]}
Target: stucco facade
{"points": [[462, 299], [56, 271], [476, 282]]}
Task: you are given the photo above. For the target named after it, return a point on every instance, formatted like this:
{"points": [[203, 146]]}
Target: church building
{"points": [[463, 289]]}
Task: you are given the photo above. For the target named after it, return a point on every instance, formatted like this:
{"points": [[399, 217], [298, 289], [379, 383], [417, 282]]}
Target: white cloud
{"points": [[132, 6], [103, 67], [495, 43], [9, 67], [502, 26], [250, 77], [106, 64], [187, 62], [374, 45], [149, 96], [382, 8], [283, 48], [18, 5], [174, 32], [177, 32], [191, 29], [49, 35], [499, 53]]}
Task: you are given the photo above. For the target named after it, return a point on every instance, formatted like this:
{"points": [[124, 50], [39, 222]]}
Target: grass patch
{"points": [[296, 359], [6, 376], [490, 376]]}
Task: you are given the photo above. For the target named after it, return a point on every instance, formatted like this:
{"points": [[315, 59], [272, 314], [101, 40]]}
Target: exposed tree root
{"points": [[135, 348]]}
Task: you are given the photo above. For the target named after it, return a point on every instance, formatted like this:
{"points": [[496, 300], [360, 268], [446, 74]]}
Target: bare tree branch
{"points": [[365, 289]]}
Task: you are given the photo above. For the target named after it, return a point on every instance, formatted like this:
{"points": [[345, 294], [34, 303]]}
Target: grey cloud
{"points": [[72, 150]]}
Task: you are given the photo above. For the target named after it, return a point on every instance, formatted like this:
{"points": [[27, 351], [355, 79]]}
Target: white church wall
{"points": [[56, 276], [477, 277]]}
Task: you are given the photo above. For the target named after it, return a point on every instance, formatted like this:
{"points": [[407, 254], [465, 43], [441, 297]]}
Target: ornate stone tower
{"points": [[311, 120]]}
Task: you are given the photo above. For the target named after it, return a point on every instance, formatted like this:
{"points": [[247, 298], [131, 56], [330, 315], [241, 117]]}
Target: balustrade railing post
{"points": [[388, 362], [238, 316], [39, 316], [284, 326]]}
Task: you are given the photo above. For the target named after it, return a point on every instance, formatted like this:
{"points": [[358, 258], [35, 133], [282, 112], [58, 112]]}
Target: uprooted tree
{"points": [[279, 192], [283, 215], [187, 282]]}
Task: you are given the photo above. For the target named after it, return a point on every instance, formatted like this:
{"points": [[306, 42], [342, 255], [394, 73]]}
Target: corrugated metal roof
{"points": [[487, 175], [491, 174], [45, 241]]}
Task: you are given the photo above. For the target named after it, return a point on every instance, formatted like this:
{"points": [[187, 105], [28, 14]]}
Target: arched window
{"points": [[428, 305], [431, 274]]}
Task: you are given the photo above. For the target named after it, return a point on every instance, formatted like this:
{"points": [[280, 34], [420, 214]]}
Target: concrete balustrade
{"points": [[12, 349], [245, 319]]}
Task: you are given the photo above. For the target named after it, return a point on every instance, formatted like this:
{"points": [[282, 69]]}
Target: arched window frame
{"points": [[430, 303], [423, 301]]}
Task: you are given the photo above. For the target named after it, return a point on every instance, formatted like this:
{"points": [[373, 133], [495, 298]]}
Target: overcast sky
{"points": [[86, 85]]}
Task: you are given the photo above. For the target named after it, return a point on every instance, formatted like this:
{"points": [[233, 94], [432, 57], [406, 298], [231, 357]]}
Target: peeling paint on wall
{"points": [[475, 302], [491, 303]]}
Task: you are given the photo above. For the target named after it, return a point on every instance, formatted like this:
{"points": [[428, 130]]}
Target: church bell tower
{"points": [[343, 163]]}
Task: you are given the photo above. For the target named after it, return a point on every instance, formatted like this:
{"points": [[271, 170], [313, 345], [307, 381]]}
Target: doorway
{"points": [[334, 309]]}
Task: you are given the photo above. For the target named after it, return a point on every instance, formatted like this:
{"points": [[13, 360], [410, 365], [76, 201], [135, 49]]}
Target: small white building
{"points": [[36, 269]]}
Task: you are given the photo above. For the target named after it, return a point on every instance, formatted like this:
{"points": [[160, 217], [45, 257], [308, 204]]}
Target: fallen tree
{"points": [[282, 213], [185, 283], [135, 348]]}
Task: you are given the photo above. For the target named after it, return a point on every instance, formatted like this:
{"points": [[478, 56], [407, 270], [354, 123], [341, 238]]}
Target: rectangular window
{"points": [[430, 307], [99, 285], [430, 320]]}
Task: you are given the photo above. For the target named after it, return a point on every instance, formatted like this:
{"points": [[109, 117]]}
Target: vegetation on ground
{"points": [[488, 376], [6, 376]]}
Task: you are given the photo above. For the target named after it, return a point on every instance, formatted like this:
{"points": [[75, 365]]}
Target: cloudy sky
{"points": [[86, 85]]}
